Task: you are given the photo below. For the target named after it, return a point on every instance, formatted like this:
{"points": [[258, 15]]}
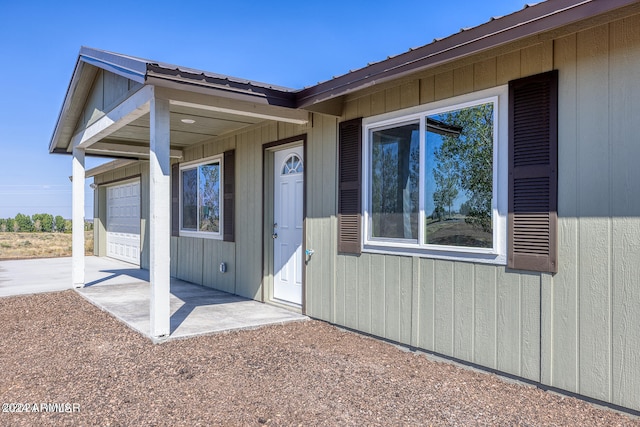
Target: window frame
{"points": [[496, 254], [219, 158]]}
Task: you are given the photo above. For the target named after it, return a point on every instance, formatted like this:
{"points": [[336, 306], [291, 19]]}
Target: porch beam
{"points": [[126, 150], [299, 118], [77, 217], [159, 211], [257, 110], [132, 108]]}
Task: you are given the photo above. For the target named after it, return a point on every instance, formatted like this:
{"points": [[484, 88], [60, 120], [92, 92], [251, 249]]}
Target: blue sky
{"points": [[293, 44]]}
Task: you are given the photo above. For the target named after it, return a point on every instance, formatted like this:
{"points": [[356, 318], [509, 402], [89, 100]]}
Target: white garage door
{"points": [[123, 222]]}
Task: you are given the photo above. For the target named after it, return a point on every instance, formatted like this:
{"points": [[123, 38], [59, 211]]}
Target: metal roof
{"points": [[144, 70], [529, 21]]}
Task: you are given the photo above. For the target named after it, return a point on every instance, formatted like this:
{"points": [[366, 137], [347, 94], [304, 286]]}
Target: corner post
{"points": [[77, 217], [159, 222]]}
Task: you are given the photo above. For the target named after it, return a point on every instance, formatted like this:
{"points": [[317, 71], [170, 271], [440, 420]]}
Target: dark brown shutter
{"points": [[229, 195], [175, 199], [533, 176], [349, 186]]}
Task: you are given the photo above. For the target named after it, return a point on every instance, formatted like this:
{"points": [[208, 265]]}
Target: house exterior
{"points": [[476, 197]]}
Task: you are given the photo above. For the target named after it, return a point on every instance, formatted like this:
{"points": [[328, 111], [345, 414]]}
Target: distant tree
{"points": [[3, 225], [15, 226], [438, 213], [446, 179], [68, 226], [24, 223], [465, 208], [37, 226], [59, 223], [45, 222]]}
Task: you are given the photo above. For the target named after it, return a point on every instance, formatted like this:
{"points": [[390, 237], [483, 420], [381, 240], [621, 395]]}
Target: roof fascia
{"points": [[66, 105], [128, 67], [224, 87], [530, 21], [107, 167], [132, 68]]}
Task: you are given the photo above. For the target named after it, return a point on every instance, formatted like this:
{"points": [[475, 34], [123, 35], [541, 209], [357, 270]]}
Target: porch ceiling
{"points": [[132, 140]]}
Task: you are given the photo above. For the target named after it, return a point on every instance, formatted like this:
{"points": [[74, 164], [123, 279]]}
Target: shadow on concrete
{"points": [[125, 292], [121, 273], [195, 296]]}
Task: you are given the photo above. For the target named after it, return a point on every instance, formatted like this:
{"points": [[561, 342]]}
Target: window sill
{"points": [[201, 235], [482, 257]]}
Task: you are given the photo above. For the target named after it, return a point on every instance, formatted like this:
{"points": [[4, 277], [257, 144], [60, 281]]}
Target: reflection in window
{"points": [[190, 199], [395, 159], [459, 177], [292, 165], [430, 179], [209, 189], [201, 198]]}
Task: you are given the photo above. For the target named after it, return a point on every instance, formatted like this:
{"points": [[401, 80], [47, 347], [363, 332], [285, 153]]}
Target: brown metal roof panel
{"points": [[158, 73], [171, 67]]}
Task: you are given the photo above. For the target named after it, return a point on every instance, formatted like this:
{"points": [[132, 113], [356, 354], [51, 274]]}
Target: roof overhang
{"points": [[224, 104], [220, 103]]}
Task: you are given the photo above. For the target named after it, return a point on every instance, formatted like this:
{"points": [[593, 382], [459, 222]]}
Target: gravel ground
{"points": [[58, 348]]}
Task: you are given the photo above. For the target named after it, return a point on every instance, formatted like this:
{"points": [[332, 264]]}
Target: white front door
{"points": [[123, 222], [287, 227]]}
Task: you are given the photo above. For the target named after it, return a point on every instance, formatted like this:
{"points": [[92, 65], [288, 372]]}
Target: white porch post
{"points": [[159, 211], [77, 217]]}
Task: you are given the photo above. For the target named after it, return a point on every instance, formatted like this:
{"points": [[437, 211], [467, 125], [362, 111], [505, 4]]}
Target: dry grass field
{"points": [[40, 245]]}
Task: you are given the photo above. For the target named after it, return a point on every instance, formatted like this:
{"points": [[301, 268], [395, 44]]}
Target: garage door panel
{"points": [[123, 222]]}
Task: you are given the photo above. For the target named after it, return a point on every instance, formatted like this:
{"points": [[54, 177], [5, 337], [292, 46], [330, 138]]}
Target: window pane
{"points": [[189, 199], [395, 160], [209, 184], [459, 177], [292, 165]]}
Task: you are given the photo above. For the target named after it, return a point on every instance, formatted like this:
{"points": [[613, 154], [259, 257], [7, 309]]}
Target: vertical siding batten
{"points": [[564, 312], [624, 101], [594, 268]]}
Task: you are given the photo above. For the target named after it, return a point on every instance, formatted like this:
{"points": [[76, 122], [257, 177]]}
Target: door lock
{"points": [[274, 236]]}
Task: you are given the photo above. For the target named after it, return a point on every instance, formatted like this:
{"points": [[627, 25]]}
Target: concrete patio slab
{"points": [[195, 310], [124, 291]]}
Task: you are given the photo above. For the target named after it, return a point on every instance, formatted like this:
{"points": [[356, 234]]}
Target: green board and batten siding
{"points": [[473, 312], [197, 260], [576, 330]]}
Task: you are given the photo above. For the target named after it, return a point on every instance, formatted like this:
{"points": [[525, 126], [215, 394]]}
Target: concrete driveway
{"points": [[33, 276]]}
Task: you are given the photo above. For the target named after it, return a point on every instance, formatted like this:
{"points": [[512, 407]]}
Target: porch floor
{"points": [[124, 291]]}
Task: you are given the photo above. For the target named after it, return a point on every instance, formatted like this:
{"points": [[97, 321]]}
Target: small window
{"points": [[435, 179], [292, 165], [201, 199]]}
